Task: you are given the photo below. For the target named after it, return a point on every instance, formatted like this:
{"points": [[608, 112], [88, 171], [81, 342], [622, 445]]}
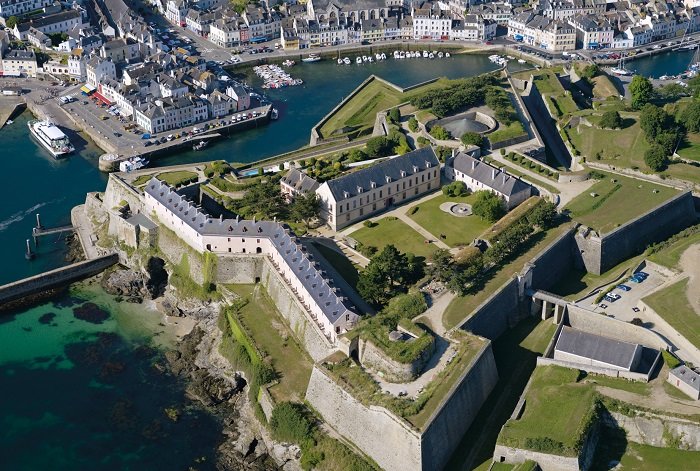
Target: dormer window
{"points": [[403, 173], [427, 164], [388, 179], [373, 184], [346, 195], [359, 189], [415, 169]]}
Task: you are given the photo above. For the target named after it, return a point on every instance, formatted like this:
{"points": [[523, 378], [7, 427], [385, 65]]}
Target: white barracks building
{"points": [[332, 312]]}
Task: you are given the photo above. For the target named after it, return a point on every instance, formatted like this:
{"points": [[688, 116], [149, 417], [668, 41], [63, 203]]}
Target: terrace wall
{"points": [[372, 357], [599, 253]]}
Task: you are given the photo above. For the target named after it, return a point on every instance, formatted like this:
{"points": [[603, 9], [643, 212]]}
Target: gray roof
{"points": [[300, 181], [383, 173], [55, 18], [332, 303], [688, 376], [489, 175], [140, 219], [596, 347]]}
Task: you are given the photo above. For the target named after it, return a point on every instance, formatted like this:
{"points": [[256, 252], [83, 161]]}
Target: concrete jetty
{"points": [[13, 295], [9, 106]]}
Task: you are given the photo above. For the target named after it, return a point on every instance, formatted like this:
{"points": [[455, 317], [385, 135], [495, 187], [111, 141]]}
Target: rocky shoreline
{"points": [[210, 379]]}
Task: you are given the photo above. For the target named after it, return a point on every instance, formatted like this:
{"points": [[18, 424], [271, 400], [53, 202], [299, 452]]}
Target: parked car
{"points": [[635, 309], [636, 279], [624, 287], [603, 306], [645, 275]]}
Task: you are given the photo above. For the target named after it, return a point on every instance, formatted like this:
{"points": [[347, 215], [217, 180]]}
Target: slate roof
{"points": [[354, 183], [596, 347], [332, 303], [55, 18], [300, 181], [489, 175], [686, 375]]}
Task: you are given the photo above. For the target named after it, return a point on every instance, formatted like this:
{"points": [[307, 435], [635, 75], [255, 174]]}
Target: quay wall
{"points": [[54, 278], [599, 253]]}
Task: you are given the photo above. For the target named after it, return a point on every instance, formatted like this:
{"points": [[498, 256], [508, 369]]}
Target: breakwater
{"points": [[13, 295]]}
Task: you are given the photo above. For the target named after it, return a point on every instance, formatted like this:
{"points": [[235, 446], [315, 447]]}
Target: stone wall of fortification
{"points": [[385, 438], [495, 315], [374, 358], [600, 253], [656, 430], [305, 330], [446, 428]]}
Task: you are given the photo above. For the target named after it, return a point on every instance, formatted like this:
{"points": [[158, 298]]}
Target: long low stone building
{"points": [[329, 309]]}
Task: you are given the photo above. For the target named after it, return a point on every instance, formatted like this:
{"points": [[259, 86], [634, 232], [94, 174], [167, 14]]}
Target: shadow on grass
{"points": [[611, 447], [515, 365], [627, 122]]}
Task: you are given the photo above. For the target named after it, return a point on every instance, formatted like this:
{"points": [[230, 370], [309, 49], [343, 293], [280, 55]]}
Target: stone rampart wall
{"points": [[447, 426], [385, 438], [591, 322], [305, 330], [600, 253], [55, 278], [545, 461], [497, 313], [374, 358], [655, 430], [555, 261]]}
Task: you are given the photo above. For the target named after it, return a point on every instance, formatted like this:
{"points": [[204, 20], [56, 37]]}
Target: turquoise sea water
{"points": [[80, 395]]}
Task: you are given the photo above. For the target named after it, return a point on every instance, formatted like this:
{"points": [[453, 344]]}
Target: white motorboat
{"points": [[200, 145], [312, 58], [134, 163], [440, 54], [347, 61], [50, 137], [358, 60], [521, 61], [8, 122], [364, 58], [274, 114], [425, 54], [447, 54], [383, 56], [431, 56], [340, 61]]}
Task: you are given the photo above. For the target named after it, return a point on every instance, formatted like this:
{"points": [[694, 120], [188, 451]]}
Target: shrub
{"points": [[394, 115], [503, 152], [369, 223], [440, 133], [474, 139], [289, 423], [655, 157], [488, 206], [407, 305], [413, 210], [413, 124], [611, 120], [422, 141]]}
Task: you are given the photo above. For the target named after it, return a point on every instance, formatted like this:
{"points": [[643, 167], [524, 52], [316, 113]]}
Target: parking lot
{"points": [[624, 307]]}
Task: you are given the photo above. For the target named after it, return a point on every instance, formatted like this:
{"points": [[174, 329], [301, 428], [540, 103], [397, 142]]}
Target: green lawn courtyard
{"points": [[390, 230], [619, 199], [457, 230], [556, 409], [272, 335], [673, 306]]}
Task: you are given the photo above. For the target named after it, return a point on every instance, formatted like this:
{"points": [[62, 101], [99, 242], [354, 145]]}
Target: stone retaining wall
{"points": [[390, 441], [655, 430], [372, 357], [599, 253]]}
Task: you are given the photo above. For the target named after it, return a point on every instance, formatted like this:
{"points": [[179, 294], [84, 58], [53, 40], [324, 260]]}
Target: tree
{"points": [[655, 158], [11, 22], [472, 139], [611, 120], [671, 91], [440, 133], [642, 91], [357, 155], [395, 115], [305, 207], [590, 71], [379, 146], [442, 267], [691, 116], [488, 206], [543, 215], [388, 273], [653, 120]]}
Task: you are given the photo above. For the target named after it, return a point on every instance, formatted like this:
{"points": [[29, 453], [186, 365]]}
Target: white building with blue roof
{"points": [[323, 302]]}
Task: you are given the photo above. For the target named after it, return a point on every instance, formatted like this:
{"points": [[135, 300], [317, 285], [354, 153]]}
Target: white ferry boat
{"points": [[50, 137], [134, 163]]}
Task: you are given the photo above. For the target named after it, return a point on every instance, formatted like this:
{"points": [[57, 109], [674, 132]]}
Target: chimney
{"points": [[473, 164], [493, 173], [221, 218]]}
